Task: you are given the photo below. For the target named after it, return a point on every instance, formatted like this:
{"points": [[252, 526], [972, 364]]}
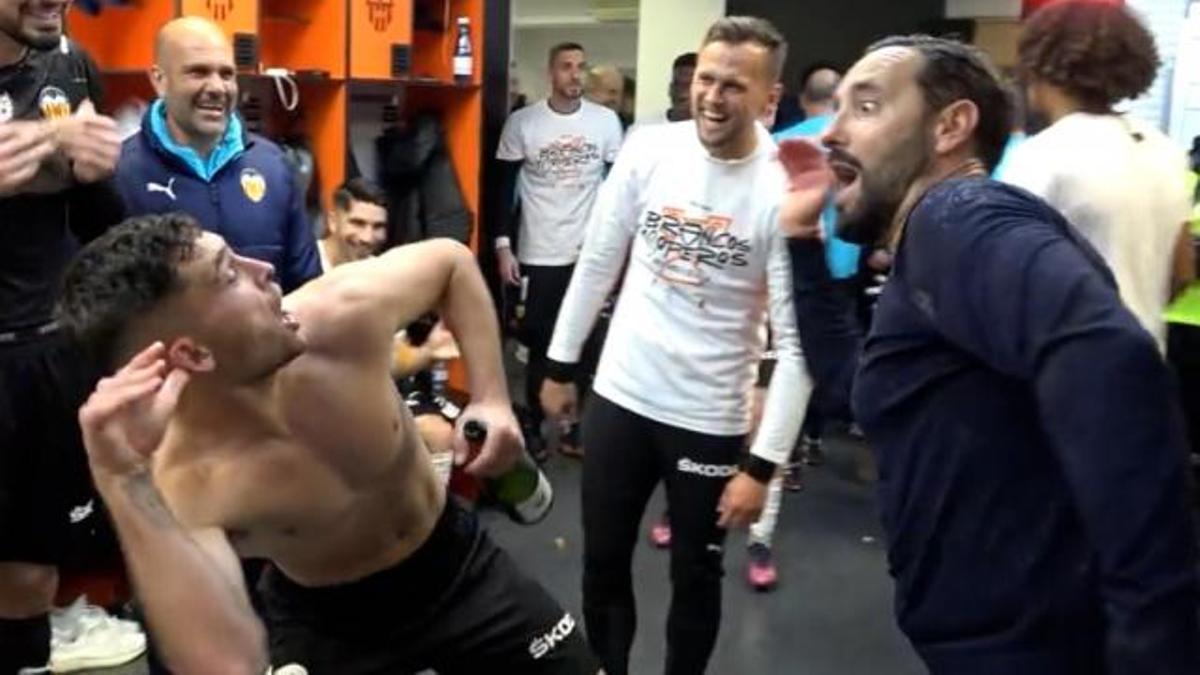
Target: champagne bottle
{"points": [[524, 492]]}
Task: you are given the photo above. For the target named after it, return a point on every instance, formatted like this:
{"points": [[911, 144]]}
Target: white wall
{"points": [[608, 43], [1185, 94], [1165, 19], [990, 9], [668, 28]]}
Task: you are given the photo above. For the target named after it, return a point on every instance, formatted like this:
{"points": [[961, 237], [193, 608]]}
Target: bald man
{"points": [[819, 85], [605, 85], [193, 155]]}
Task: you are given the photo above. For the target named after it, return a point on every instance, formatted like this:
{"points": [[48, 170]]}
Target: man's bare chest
{"points": [[347, 439]]}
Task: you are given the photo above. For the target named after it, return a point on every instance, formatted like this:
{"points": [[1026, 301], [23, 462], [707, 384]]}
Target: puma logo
{"points": [[168, 189]]}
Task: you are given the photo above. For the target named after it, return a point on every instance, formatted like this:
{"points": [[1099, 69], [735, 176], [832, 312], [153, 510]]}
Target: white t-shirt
{"points": [[1126, 196], [563, 165], [708, 265], [323, 251], [649, 122]]}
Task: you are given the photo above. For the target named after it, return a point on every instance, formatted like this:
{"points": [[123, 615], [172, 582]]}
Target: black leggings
{"points": [[547, 286], [626, 456]]}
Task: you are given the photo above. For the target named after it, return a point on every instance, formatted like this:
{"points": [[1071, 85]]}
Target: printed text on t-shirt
{"points": [[566, 156], [687, 248]]}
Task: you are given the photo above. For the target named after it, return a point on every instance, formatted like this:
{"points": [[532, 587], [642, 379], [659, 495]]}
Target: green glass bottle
{"points": [[524, 490]]}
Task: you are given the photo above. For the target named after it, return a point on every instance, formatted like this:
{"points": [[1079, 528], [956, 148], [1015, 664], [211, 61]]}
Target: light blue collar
{"points": [[229, 149]]}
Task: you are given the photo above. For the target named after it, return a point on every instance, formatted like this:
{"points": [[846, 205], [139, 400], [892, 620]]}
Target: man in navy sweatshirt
{"points": [[192, 155], [1032, 459]]}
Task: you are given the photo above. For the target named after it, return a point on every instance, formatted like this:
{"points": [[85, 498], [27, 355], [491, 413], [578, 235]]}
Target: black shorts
{"points": [[49, 510], [458, 605]]}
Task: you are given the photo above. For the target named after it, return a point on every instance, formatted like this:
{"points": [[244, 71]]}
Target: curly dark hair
{"points": [[122, 274], [1098, 52]]}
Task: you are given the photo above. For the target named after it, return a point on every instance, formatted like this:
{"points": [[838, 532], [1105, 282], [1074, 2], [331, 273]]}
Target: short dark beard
{"points": [[31, 39], [883, 191], [41, 41], [37, 39], [867, 225]]}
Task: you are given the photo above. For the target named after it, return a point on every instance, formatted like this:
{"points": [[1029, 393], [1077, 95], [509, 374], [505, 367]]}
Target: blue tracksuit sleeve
{"points": [[1001, 277], [302, 260], [829, 337], [123, 181]]}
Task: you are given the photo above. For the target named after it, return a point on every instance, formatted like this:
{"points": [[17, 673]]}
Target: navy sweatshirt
{"points": [[1032, 458], [252, 201]]}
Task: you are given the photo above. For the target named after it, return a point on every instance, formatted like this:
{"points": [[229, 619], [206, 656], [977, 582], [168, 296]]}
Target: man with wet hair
{"points": [[1033, 470]]}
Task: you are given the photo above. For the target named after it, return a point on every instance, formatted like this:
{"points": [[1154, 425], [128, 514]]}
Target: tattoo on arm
{"points": [[146, 497]]}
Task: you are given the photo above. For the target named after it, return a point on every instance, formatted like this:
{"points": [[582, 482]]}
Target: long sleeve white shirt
{"points": [[707, 266]]}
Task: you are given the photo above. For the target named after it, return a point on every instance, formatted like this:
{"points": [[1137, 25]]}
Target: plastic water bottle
{"points": [[463, 53], [524, 491]]}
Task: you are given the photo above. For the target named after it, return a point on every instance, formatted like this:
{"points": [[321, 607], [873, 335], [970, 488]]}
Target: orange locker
{"points": [[435, 33], [239, 20], [380, 38], [305, 35], [122, 38]]}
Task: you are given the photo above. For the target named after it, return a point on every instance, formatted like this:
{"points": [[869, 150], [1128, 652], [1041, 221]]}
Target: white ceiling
{"points": [[565, 12]]}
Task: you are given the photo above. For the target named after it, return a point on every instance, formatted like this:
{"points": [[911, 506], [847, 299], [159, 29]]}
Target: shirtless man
{"points": [[245, 423]]}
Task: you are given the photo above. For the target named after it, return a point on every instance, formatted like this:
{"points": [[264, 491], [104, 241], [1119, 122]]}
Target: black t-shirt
{"points": [[40, 232]]}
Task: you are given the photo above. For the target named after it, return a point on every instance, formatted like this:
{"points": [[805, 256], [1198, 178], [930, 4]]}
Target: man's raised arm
{"points": [[189, 583], [441, 275]]}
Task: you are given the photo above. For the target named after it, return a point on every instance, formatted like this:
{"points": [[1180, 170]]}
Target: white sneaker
{"points": [[84, 636]]}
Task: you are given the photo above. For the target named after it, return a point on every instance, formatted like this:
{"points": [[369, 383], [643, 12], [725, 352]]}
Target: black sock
{"points": [[24, 643]]}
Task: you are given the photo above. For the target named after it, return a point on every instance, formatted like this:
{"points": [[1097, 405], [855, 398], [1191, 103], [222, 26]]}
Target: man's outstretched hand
{"points": [[809, 181]]}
